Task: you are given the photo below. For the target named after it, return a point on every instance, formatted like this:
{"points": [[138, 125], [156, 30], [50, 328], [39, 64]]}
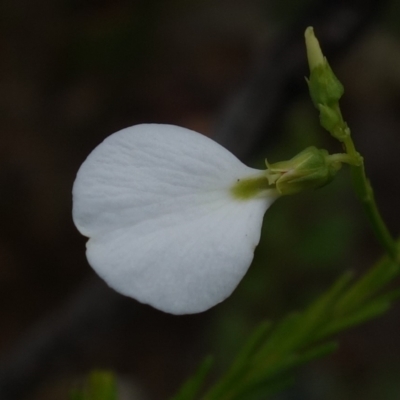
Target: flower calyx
{"points": [[310, 169]]}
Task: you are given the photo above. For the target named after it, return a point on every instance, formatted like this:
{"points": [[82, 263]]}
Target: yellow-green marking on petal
{"points": [[248, 188]]}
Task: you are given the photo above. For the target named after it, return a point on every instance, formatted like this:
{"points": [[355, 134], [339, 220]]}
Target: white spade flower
{"points": [[172, 217]]}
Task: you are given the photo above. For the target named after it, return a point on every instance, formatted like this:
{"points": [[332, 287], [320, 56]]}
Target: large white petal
{"points": [[164, 228]]}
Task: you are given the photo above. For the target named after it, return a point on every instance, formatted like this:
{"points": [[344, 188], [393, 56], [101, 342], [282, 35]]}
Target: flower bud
{"points": [[332, 121], [314, 53], [310, 169], [323, 85]]}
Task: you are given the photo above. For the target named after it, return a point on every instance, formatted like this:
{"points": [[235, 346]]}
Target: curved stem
{"points": [[365, 193], [326, 91]]}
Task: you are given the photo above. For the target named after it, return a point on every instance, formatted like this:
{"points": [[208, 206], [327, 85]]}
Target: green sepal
{"points": [[310, 169], [325, 88]]}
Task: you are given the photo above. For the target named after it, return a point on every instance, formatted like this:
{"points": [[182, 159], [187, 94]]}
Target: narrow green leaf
{"points": [[280, 336], [367, 312], [252, 344], [275, 378], [320, 312], [192, 386], [315, 352], [367, 286], [290, 361], [241, 363], [298, 329]]}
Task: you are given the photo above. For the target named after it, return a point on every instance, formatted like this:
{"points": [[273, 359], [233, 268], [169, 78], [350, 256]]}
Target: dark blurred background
{"points": [[72, 72]]}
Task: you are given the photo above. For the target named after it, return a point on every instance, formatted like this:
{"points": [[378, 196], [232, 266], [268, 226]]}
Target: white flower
{"points": [[168, 221]]}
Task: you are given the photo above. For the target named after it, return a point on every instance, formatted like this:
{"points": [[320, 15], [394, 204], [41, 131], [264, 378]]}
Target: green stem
{"points": [[364, 189], [326, 91], [365, 193], [342, 158]]}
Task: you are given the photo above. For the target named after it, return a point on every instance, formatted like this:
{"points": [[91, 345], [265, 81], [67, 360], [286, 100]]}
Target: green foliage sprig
{"points": [[266, 362]]}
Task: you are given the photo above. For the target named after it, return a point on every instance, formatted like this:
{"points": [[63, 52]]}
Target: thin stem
{"points": [[366, 195], [342, 158], [365, 192], [326, 91]]}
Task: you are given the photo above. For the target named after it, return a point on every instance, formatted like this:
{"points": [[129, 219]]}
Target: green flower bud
{"points": [[324, 86], [310, 169], [314, 52]]}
